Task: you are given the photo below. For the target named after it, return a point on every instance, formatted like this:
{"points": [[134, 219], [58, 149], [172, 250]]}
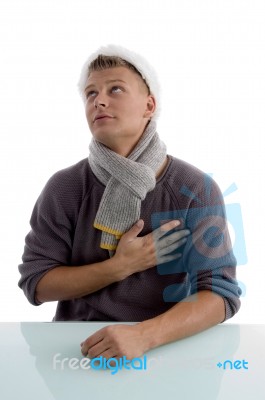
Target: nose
{"points": [[100, 100]]}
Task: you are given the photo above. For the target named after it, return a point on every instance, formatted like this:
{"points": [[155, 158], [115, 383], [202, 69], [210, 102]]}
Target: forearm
{"points": [[66, 283], [195, 314]]}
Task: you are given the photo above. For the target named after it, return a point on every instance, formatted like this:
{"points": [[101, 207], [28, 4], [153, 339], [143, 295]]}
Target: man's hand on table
{"points": [[116, 341]]}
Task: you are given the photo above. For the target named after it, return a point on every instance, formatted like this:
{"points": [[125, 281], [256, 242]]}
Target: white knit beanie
{"points": [[139, 62]]}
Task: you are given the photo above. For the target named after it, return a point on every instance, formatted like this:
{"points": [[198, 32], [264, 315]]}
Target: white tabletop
{"points": [[186, 369]]}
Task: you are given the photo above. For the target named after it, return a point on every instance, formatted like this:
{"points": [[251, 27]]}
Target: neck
{"points": [[162, 168], [123, 149], [124, 146]]}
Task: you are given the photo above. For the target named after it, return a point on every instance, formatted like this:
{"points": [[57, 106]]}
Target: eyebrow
{"points": [[109, 81]]}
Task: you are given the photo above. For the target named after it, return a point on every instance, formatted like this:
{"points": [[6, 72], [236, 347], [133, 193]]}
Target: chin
{"points": [[101, 134], [103, 139]]}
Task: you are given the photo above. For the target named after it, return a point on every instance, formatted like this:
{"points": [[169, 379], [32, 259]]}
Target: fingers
{"points": [[167, 244], [168, 258], [106, 343], [92, 341], [100, 349], [169, 249], [174, 239], [134, 231], [162, 230]]}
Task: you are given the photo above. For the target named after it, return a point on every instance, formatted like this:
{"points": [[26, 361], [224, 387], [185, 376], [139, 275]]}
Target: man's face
{"points": [[118, 107]]}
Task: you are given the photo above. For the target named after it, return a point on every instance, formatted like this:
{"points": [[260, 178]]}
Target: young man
{"points": [[131, 234]]}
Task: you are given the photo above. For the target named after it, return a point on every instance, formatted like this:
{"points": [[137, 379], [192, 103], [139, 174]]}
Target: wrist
{"points": [[149, 332], [118, 267]]}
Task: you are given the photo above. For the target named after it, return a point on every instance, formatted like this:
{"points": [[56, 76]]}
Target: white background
{"points": [[210, 58]]}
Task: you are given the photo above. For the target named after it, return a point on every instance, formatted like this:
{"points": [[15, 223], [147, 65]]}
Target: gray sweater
{"points": [[62, 233]]}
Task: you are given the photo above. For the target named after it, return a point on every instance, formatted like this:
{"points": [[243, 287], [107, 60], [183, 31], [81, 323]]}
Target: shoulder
{"points": [[180, 168], [71, 182], [189, 182]]}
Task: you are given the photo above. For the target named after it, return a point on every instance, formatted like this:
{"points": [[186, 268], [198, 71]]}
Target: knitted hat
{"points": [[140, 63]]}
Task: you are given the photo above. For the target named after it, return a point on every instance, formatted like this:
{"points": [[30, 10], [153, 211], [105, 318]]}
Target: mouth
{"points": [[102, 117]]}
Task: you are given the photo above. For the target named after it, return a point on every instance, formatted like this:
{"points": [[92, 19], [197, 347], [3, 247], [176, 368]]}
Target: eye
{"points": [[116, 89], [90, 94]]}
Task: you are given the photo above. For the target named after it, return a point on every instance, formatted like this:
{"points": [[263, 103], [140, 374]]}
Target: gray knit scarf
{"points": [[127, 181]]}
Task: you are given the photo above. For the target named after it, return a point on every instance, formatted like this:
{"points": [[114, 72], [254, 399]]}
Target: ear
{"points": [[150, 106]]}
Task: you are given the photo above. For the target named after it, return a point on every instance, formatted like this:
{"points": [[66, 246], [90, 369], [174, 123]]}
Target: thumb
{"points": [[135, 230]]}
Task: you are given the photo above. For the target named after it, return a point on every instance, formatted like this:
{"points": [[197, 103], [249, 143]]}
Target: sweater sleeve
{"points": [[208, 255], [49, 242]]}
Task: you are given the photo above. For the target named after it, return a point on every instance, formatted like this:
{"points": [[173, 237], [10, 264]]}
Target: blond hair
{"points": [[105, 62]]}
